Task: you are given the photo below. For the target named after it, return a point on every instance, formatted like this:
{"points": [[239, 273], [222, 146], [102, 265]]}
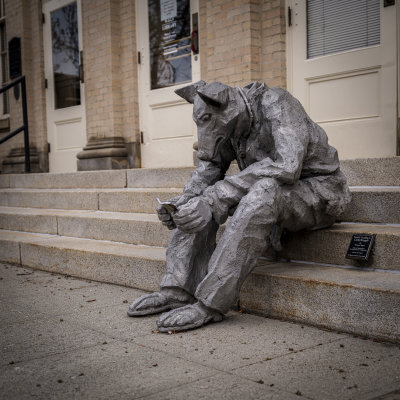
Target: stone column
{"points": [[109, 47]]}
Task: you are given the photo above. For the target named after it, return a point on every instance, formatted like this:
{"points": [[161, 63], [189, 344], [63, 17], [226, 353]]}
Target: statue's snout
{"points": [[209, 147]]}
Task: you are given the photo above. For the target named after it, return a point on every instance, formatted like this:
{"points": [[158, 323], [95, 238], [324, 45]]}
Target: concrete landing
{"points": [[66, 338]]}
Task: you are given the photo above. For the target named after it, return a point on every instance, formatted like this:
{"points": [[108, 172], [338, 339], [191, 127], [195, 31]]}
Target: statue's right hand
{"points": [[165, 217]]}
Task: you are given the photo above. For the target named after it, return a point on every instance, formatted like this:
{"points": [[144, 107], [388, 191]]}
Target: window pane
{"points": [[4, 77], [2, 9], [5, 103], [3, 37], [65, 42], [169, 31], [335, 26]]}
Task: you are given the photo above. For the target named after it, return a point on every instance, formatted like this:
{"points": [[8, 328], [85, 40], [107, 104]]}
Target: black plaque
{"points": [[360, 246]]}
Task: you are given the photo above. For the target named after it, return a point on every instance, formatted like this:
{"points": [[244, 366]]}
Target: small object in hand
{"points": [[167, 205]]}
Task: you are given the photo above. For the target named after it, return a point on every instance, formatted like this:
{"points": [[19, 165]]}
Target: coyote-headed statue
{"points": [[289, 179]]}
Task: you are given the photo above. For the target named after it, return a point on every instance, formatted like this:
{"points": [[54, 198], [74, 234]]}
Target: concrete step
{"points": [[99, 260], [323, 246], [68, 180], [352, 300], [369, 204], [372, 171], [358, 301], [374, 204], [131, 178], [121, 200], [360, 172], [330, 245], [133, 228]]}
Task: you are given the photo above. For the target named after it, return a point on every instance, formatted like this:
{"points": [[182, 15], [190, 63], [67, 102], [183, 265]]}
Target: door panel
{"points": [[351, 93], [167, 63], [65, 104]]}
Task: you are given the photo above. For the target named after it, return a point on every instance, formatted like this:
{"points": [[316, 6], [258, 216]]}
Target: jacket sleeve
{"points": [[205, 175], [290, 149]]}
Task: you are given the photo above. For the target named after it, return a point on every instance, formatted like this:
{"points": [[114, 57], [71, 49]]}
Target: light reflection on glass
{"points": [[170, 53], [65, 43]]}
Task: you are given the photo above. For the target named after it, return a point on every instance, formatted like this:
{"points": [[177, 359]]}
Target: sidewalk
{"points": [[66, 338]]}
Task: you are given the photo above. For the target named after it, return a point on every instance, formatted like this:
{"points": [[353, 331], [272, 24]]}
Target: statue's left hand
{"points": [[193, 216]]}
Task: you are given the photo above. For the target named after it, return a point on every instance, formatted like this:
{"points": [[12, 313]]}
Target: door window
{"points": [[335, 26], [169, 37], [65, 51]]}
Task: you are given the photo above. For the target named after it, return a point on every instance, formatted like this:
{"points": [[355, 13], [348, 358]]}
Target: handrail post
{"points": [[26, 130]]}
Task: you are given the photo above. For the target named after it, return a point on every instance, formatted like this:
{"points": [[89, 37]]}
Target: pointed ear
{"points": [[189, 92], [215, 93]]}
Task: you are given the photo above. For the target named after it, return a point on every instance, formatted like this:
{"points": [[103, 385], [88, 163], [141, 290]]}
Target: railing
{"points": [[24, 127]]}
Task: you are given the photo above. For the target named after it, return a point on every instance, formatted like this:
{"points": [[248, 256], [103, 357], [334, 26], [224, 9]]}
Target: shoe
{"points": [[191, 316], [155, 303]]}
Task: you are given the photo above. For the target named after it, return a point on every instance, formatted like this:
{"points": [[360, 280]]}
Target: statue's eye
{"points": [[205, 117]]}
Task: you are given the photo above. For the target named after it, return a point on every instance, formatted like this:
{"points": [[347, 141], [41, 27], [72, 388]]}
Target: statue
{"points": [[289, 179]]}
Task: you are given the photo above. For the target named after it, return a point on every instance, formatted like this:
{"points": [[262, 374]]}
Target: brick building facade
{"points": [[240, 41]]}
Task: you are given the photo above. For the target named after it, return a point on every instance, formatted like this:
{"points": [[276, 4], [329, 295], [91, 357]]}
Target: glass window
{"points": [[169, 34], [65, 44], [335, 26]]}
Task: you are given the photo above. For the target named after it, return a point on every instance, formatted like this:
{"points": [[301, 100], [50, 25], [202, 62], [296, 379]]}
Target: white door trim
{"points": [[376, 62], [160, 109], [69, 122]]}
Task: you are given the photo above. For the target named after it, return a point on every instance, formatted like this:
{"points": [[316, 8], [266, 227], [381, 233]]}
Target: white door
{"points": [[65, 100], [164, 29], [342, 57]]}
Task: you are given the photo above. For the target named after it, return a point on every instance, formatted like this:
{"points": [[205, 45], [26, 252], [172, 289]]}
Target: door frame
{"points": [[157, 99], [47, 8], [290, 52]]}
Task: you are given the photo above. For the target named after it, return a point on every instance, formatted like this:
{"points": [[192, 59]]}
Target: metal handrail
{"points": [[24, 127]]}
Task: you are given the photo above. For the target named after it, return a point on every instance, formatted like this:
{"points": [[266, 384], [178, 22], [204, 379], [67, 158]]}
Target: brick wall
{"points": [[273, 39], [110, 68], [102, 83], [230, 41], [240, 41], [243, 41], [14, 23], [129, 73], [34, 67], [23, 19]]}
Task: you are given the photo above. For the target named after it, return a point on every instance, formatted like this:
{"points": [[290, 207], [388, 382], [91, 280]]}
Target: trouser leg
{"points": [[244, 240], [188, 256]]}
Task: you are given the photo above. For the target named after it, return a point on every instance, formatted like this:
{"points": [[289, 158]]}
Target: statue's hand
{"points": [[165, 217], [193, 216]]}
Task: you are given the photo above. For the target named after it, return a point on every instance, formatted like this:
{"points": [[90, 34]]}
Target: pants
{"points": [[215, 273]]}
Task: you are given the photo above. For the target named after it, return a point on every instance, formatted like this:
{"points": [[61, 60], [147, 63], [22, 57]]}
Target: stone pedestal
{"points": [[103, 153], [14, 163]]}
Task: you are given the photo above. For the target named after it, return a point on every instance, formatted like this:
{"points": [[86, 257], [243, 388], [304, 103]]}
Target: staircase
{"points": [[101, 226]]}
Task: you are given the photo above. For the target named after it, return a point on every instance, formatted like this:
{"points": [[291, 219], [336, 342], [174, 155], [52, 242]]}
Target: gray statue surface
{"points": [[289, 179]]}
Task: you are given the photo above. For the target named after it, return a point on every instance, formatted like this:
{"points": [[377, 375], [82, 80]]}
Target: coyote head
{"points": [[216, 109]]}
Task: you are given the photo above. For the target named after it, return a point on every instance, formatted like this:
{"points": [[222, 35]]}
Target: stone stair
{"points": [[101, 226]]}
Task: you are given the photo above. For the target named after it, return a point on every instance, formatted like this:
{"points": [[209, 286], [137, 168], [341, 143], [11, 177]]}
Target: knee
{"points": [[264, 191], [262, 199], [265, 185]]}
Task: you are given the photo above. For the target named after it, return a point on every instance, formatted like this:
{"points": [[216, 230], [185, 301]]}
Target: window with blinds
{"points": [[338, 25]]}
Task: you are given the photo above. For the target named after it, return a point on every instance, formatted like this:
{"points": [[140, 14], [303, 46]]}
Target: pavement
{"points": [[67, 338]]}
